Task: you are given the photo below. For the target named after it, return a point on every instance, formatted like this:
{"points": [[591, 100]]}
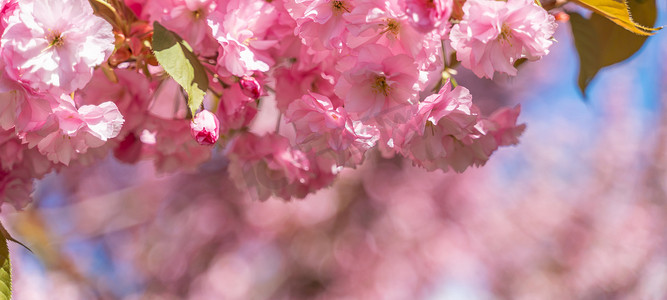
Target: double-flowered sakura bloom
{"points": [[377, 81], [240, 28], [171, 146], [346, 76], [441, 120], [329, 131], [235, 110], [294, 81], [320, 23], [15, 188], [453, 134], [12, 95], [268, 165], [53, 45], [384, 23], [188, 18], [69, 131], [493, 34]]}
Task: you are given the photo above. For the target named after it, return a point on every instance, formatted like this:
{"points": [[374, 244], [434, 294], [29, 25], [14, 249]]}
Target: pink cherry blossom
{"points": [[33, 111], [304, 76], [328, 131], [493, 34], [314, 114], [240, 29], [70, 131], [46, 50], [341, 77], [235, 109], [502, 126], [11, 150], [205, 128], [378, 82], [170, 145], [454, 135], [15, 188], [267, 165], [132, 95], [320, 23], [12, 96], [15, 155], [385, 23], [102, 121], [426, 15], [500, 129], [188, 19], [443, 119]]}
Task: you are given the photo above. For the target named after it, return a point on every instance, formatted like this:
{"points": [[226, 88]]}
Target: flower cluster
{"points": [[340, 78], [45, 58]]}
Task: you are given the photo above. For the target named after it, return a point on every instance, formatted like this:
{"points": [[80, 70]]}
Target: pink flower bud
{"points": [[250, 87], [205, 128]]}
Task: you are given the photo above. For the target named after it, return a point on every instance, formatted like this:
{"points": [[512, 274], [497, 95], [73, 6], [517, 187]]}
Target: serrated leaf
{"points": [[178, 60], [5, 271], [618, 12], [4, 233], [601, 43]]}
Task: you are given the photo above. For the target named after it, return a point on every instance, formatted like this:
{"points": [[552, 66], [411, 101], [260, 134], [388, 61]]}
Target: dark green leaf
{"points": [[601, 43], [618, 12], [178, 60]]}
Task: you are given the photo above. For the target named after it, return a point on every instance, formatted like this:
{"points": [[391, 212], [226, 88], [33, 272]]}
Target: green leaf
{"points": [[178, 60], [4, 233], [5, 271], [600, 43], [618, 12]]}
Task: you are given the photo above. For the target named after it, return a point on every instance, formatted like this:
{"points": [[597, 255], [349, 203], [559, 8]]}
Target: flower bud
{"points": [[205, 128], [250, 87]]}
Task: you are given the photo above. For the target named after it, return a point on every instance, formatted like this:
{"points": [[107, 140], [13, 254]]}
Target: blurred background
{"points": [[577, 210]]}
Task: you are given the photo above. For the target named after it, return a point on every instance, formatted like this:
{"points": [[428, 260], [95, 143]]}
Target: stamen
{"points": [[505, 34], [339, 7], [55, 39], [380, 85], [197, 14], [392, 26]]}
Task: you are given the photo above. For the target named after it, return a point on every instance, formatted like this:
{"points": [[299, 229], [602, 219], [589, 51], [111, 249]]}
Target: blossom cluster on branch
{"points": [[77, 83]]}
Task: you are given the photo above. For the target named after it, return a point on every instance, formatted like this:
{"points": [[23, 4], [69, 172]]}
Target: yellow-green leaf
{"points": [[618, 12], [5, 271], [600, 43], [4, 233], [176, 57]]}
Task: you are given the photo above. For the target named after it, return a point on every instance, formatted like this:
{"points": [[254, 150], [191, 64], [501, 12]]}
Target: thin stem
{"points": [[280, 116]]}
